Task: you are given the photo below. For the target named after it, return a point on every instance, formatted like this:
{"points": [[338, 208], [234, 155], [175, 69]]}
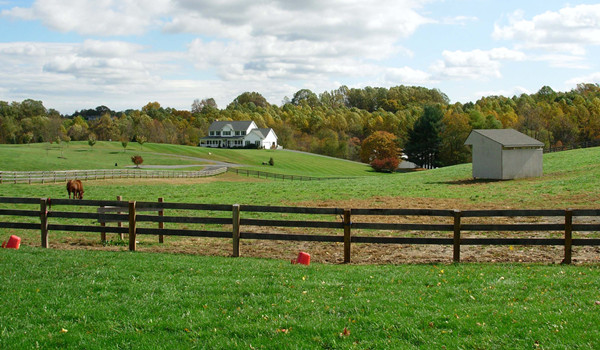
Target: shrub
{"points": [[385, 165], [271, 161]]}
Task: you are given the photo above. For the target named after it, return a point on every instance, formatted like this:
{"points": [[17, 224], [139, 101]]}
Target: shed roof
{"points": [[505, 137]]}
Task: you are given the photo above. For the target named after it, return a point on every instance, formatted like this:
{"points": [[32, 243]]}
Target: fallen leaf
{"points": [[63, 330], [345, 332]]}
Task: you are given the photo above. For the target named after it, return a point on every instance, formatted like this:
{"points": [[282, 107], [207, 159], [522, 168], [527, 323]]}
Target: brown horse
{"points": [[75, 187]]}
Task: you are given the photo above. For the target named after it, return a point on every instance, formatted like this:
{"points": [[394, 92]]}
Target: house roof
{"points": [[263, 131], [505, 137], [235, 125]]}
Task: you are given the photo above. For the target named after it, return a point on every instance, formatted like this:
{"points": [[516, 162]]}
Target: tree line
{"points": [[421, 121]]}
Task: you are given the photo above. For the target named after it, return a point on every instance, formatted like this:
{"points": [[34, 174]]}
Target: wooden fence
{"points": [[346, 221], [99, 174], [267, 175]]}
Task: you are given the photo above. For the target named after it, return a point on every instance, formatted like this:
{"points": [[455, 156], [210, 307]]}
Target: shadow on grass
{"points": [[470, 181]]}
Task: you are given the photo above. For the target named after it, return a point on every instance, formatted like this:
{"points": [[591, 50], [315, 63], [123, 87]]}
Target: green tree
{"points": [[92, 140], [141, 140], [424, 138], [247, 98], [305, 96]]}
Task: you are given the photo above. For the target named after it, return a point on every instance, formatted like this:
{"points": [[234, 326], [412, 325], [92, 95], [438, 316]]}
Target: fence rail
{"points": [[99, 174], [347, 221], [586, 144], [267, 175]]}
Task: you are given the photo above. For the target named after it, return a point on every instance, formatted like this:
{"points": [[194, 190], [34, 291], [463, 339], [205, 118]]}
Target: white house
{"points": [[238, 134], [504, 154]]}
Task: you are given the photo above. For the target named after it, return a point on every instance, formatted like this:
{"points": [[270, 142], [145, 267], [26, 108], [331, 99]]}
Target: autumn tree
{"points": [[381, 151], [455, 129], [137, 160]]}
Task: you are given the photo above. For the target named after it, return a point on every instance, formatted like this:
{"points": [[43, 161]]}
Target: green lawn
{"points": [[99, 300], [570, 180], [104, 155]]}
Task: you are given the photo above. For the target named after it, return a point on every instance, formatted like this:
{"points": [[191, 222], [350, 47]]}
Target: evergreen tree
{"points": [[424, 138]]}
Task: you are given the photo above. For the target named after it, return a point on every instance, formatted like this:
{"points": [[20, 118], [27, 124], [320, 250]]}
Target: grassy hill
{"points": [[570, 179], [104, 155]]}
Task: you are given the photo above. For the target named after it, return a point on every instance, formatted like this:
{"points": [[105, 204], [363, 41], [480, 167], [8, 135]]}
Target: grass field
{"points": [[570, 180], [100, 299], [104, 155]]}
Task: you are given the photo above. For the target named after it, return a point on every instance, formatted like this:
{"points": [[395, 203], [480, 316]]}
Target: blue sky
{"points": [[125, 53]]}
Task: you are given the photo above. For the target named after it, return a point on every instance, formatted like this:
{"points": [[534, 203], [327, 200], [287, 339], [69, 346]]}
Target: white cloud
{"points": [[564, 61], [97, 48], [514, 91], [295, 40], [102, 17], [590, 78], [571, 29], [476, 64], [407, 75], [240, 40], [459, 20]]}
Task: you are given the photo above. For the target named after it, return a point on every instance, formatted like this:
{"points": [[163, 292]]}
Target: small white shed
{"points": [[505, 154]]}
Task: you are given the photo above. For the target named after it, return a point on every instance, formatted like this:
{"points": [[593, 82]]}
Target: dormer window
{"points": [[226, 133]]}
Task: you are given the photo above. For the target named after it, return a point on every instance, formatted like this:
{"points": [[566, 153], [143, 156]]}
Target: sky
{"points": [[123, 54]]}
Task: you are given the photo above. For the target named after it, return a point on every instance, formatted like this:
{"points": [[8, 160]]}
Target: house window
{"points": [[217, 133], [212, 133], [226, 133]]}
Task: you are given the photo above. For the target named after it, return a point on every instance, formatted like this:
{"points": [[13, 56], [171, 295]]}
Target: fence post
{"points": [[161, 224], [236, 230], [103, 233], [44, 221], [347, 235], [568, 235], [119, 223], [456, 243], [132, 244]]}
